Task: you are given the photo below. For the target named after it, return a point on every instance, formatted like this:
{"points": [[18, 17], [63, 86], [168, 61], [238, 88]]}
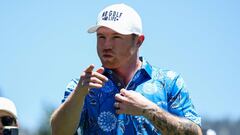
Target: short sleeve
{"points": [[180, 102], [70, 87]]}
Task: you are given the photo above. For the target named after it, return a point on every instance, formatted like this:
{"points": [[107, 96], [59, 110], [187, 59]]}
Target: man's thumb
{"points": [[100, 70]]}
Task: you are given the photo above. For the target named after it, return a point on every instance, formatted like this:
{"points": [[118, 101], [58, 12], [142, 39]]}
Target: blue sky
{"points": [[44, 44]]}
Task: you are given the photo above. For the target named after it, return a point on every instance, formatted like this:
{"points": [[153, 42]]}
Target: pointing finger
{"points": [[90, 68]]}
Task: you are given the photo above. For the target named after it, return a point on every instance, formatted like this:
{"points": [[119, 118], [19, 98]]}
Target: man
{"points": [[8, 114], [126, 95]]}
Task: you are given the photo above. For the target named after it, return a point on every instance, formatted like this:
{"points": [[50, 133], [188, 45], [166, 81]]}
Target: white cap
{"points": [[120, 18], [8, 106]]}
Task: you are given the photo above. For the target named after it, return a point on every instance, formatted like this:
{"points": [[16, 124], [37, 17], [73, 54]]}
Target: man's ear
{"points": [[140, 40]]}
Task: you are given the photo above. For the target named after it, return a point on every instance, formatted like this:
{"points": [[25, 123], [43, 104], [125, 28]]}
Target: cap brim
{"points": [[93, 29], [115, 28], [9, 113]]}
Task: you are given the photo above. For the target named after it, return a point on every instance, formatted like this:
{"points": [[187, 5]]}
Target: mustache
{"points": [[108, 51]]}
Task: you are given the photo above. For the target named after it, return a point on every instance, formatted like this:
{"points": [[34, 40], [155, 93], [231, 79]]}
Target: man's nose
{"points": [[108, 43]]}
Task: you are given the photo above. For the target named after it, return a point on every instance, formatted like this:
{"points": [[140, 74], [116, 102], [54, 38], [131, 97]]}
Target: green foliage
{"points": [[223, 126]]}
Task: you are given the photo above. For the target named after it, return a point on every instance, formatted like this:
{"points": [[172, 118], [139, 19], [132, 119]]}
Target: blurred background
{"points": [[44, 44]]}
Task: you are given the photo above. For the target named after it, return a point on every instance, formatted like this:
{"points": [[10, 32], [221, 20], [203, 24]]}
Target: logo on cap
{"points": [[111, 15]]}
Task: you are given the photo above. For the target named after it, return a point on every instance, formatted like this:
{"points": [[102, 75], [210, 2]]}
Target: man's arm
{"points": [[133, 103], [170, 124], [65, 119]]}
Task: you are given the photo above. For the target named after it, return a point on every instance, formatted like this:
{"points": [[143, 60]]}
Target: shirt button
{"points": [[110, 71], [118, 84]]}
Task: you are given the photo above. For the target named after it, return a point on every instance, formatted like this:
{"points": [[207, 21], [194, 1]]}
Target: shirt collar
{"points": [[146, 66], [145, 70]]}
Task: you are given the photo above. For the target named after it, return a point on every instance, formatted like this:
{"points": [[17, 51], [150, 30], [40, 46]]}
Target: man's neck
{"points": [[127, 72]]}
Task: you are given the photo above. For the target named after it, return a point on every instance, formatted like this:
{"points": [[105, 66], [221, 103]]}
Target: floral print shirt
{"points": [[163, 87]]}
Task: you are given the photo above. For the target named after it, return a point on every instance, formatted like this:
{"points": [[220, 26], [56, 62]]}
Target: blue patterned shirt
{"points": [[163, 87]]}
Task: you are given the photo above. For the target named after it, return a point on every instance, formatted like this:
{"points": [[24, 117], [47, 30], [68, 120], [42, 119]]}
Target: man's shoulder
{"points": [[165, 74], [159, 72]]}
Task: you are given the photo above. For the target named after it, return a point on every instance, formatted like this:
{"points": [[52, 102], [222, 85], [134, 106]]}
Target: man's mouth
{"points": [[107, 55]]}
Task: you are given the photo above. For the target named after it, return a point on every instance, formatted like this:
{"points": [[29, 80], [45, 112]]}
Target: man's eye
{"points": [[116, 37], [101, 37]]}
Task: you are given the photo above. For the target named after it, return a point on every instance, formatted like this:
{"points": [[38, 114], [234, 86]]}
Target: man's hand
{"points": [[91, 79], [65, 119], [131, 102]]}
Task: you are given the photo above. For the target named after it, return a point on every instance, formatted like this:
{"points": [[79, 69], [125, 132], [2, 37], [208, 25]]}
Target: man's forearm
{"points": [[65, 119], [169, 124]]}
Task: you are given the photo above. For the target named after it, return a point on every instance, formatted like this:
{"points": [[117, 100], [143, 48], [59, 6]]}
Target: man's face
{"points": [[6, 119], [114, 49]]}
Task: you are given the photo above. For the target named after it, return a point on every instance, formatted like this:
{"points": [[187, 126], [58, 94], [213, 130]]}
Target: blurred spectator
{"points": [[8, 114], [210, 132]]}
